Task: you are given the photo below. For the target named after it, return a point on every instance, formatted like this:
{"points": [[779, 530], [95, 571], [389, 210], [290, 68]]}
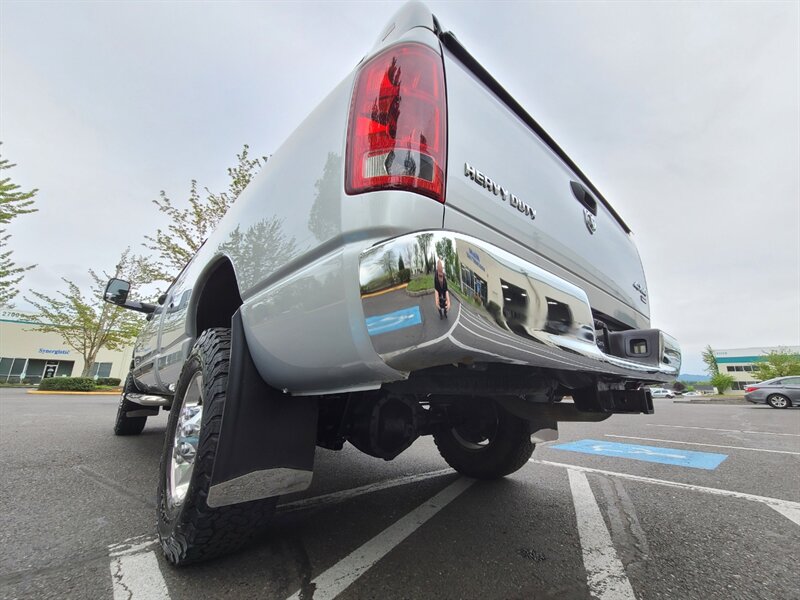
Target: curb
{"points": [[55, 393], [386, 291], [725, 402]]}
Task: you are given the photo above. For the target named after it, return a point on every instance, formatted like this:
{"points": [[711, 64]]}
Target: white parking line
{"points": [[516, 347], [605, 574], [631, 437], [340, 576], [726, 430], [341, 496], [790, 512], [134, 567], [788, 508], [137, 576], [429, 342]]}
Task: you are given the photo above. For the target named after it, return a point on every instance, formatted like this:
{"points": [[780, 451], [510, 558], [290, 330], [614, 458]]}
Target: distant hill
{"points": [[692, 378]]}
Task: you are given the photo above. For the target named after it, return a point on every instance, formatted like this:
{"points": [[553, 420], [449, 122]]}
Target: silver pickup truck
{"points": [[418, 258]]}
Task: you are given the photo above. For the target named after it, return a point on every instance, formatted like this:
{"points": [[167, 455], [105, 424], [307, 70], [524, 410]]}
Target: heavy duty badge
{"points": [[498, 190]]}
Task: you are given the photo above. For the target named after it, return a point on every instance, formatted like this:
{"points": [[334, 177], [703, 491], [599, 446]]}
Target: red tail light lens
{"points": [[397, 132], [751, 388]]}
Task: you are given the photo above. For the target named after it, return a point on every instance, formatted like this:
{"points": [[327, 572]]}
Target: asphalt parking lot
{"points": [[627, 512]]}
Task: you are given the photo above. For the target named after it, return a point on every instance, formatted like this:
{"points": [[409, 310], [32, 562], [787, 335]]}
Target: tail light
{"points": [[397, 134], [751, 388]]}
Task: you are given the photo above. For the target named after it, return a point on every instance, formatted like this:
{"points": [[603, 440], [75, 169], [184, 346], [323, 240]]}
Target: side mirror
{"points": [[117, 292]]}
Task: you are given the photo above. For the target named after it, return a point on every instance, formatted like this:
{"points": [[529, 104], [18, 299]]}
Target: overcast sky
{"points": [[685, 115]]}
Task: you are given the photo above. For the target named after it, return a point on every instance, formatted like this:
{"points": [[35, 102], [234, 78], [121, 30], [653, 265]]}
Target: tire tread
{"points": [[200, 532]]}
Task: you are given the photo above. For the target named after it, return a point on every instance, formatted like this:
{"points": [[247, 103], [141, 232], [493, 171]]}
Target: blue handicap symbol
{"points": [[667, 456], [392, 321]]}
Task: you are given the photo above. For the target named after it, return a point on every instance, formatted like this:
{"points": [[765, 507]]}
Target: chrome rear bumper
{"points": [[502, 309]]}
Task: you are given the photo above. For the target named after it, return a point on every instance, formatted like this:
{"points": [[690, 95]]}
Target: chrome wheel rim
{"points": [[471, 441], [779, 401], [185, 440], [476, 436]]}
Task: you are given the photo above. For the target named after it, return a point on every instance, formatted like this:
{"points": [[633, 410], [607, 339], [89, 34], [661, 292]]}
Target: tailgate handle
{"points": [[584, 197]]}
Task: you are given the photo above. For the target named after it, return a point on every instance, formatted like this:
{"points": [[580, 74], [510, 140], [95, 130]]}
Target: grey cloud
{"points": [[684, 114]]}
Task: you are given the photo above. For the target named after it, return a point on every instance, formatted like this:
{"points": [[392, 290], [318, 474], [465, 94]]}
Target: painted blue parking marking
{"points": [[667, 456], [392, 321]]}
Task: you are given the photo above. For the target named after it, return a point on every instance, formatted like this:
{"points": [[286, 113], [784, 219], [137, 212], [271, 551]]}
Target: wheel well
{"points": [[219, 298]]}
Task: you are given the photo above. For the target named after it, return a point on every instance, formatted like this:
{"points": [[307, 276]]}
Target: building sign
{"points": [[475, 257], [54, 352]]}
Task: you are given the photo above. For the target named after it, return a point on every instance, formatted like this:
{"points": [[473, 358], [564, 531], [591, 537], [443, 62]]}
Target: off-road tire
{"points": [[779, 401], [125, 425], [507, 451], [194, 531]]}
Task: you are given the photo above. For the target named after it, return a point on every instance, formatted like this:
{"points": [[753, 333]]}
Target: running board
{"points": [[148, 399]]}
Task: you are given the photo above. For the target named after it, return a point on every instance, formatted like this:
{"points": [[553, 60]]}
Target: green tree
{"points": [[87, 323], [778, 363], [712, 368], [13, 203], [324, 218], [445, 251], [388, 263], [722, 382], [252, 265], [189, 227], [424, 243]]}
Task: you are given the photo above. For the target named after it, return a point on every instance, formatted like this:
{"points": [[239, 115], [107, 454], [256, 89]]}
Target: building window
{"points": [[730, 369], [100, 370], [11, 369]]}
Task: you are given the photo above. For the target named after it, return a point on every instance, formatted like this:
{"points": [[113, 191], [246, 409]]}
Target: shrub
{"points": [[722, 382], [29, 380], [112, 381], [67, 384], [404, 275]]}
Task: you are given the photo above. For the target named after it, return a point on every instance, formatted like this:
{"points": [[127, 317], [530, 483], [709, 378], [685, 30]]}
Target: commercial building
{"points": [[29, 356], [741, 363]]}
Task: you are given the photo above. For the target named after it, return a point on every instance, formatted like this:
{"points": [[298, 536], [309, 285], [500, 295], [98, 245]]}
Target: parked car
{"points": [[781, 392], [658, 392], [692, 394], [296, 324]]}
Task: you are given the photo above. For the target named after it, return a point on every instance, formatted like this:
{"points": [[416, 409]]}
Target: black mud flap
{"points": [[267, 438]]}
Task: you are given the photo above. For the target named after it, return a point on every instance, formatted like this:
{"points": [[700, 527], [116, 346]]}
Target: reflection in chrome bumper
{"points": [[501, 309]]}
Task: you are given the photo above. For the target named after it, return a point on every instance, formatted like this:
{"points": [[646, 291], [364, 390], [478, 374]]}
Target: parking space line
{"points": [[429, 342], [726, 430], [631, 437], [604, 572], [138, 576], [134, 567], [790, 512], [340, 576], [341, 496], [788, 508]]}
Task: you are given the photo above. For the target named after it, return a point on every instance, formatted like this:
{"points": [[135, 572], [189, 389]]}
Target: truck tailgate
{"points": [[510, 181]]}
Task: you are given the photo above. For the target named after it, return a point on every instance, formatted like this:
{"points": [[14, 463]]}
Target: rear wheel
{"points": [[492, 445], [125, 424], [778, 401], [189, 530]]}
